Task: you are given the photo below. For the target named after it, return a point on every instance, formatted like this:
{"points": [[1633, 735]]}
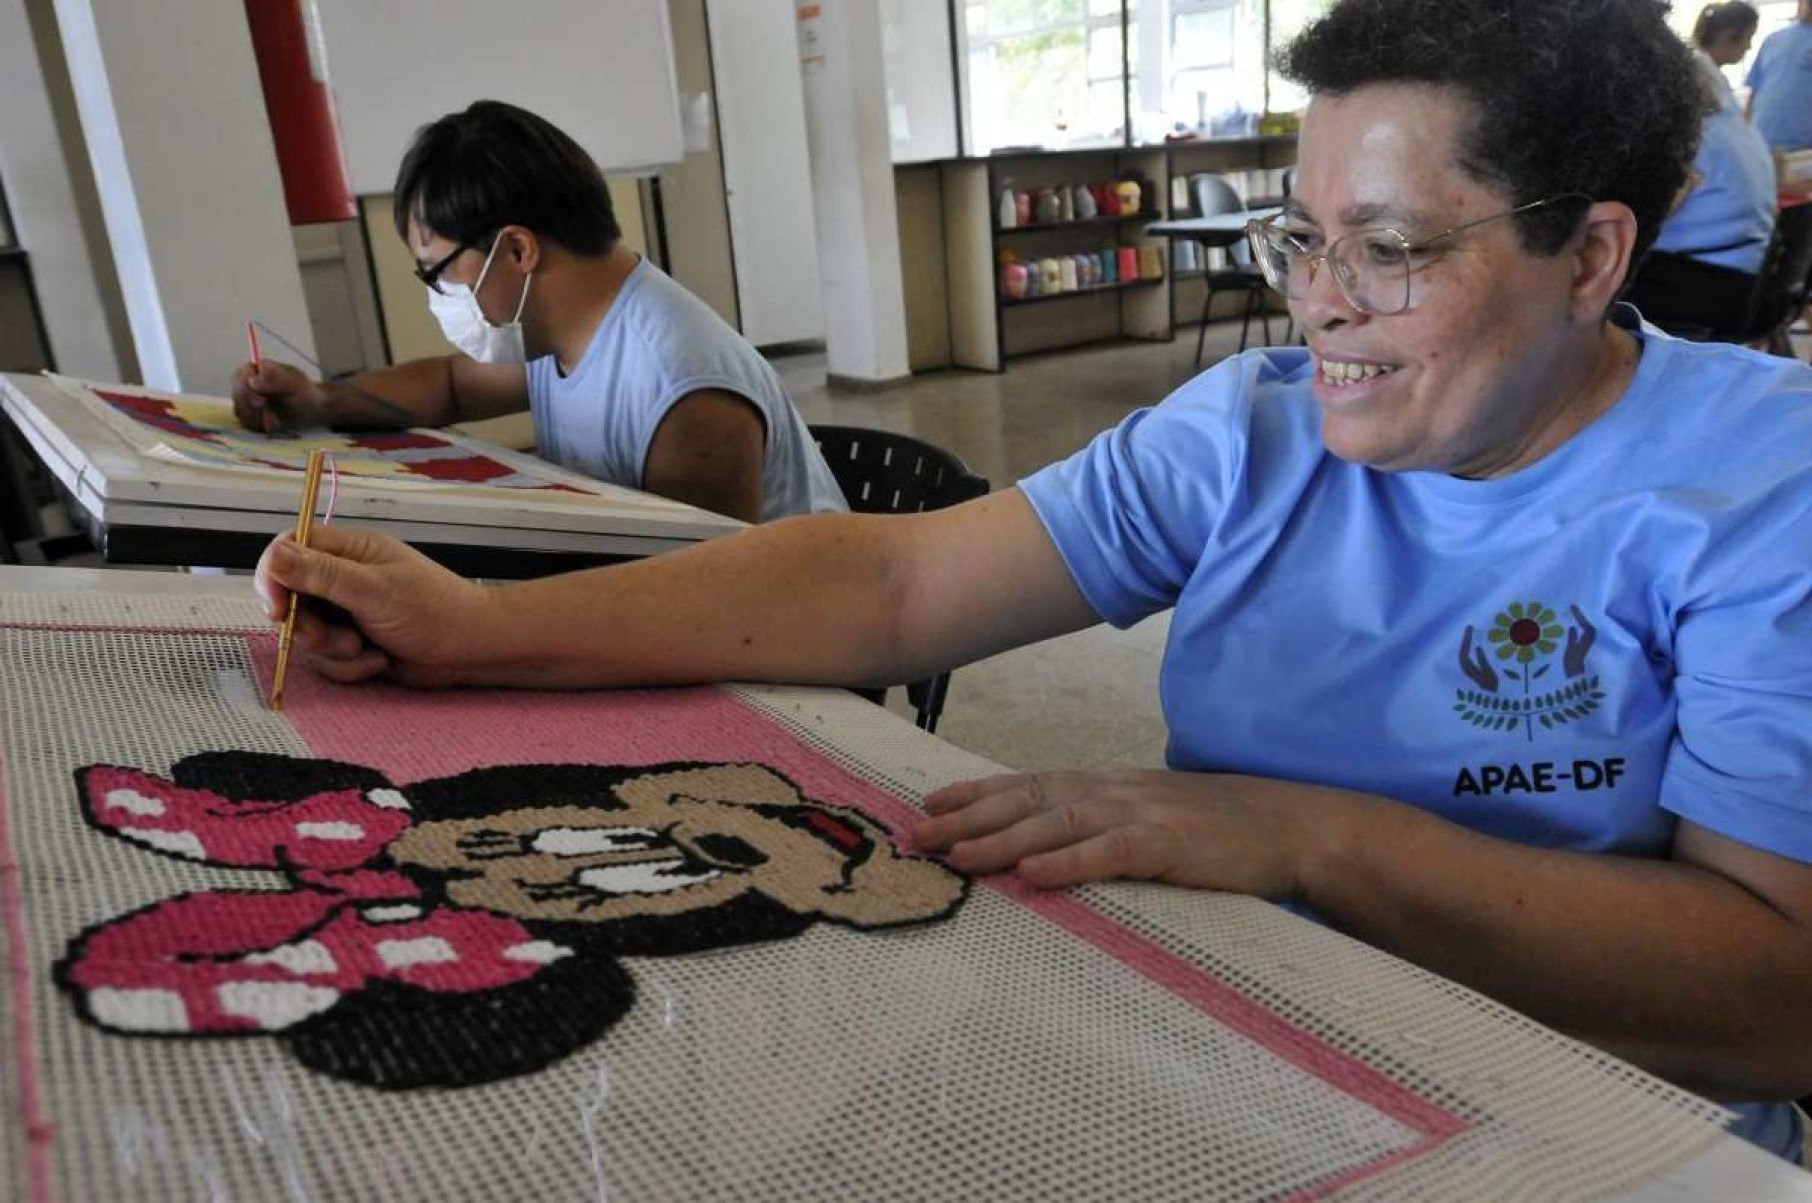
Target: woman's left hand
{"points": [[1247, 835]]}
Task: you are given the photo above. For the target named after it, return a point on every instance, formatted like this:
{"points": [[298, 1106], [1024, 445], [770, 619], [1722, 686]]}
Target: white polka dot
{"points": [[389, 799], [424, 950], [331, 831], [537, 952], [182, 843], [402, 912], [139, 1010], [274, 1005], [306, 956], [132, 800]]}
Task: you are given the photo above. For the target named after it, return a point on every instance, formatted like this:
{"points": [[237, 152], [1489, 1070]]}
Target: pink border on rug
{"points": [[40, 1133], [651, 726]]}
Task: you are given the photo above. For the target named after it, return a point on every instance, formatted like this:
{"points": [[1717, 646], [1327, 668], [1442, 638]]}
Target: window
{"points": [[1203, 61], [1043, 73], [1289, 18], [1059, 73]]}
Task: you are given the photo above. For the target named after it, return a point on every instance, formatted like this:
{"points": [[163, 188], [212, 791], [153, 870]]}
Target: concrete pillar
{"points": [[182, 155], [41, 194], [852, 188]]}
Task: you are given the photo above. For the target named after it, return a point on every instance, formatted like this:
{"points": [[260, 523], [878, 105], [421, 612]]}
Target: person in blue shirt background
{"points": [[1492, 631], [1702, 270], [1721, 37], [630, 378], [1780, 79]]}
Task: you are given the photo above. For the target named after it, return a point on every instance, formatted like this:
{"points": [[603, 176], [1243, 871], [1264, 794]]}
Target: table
{"points": [[138, 509], [1129, 1041], [1220, 230], [1216, 229]]}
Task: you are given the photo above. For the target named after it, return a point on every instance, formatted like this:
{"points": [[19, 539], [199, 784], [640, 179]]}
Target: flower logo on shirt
{"points": [[1524, 638], [1524, 632]]}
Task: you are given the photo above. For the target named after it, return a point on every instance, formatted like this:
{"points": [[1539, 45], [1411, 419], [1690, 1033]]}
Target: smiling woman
{"points": [[1491, 644], [1474, 356]]}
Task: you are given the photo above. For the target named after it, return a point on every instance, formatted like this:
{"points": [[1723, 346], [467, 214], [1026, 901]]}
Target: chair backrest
{"points": [[1213, 194], [885, 473], [1780, 287]]}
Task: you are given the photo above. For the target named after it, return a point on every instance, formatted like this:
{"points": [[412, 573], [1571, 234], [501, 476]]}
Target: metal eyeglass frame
{"points": [[1267, 238]]}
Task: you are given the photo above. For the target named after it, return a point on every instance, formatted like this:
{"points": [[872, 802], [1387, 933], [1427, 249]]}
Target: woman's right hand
{"points": [[275, 396], [405, 618]]}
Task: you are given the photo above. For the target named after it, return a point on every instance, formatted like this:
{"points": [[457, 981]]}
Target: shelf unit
{"points": [[987, 328], [1015, 302], [950, 248], [1074, 224]]}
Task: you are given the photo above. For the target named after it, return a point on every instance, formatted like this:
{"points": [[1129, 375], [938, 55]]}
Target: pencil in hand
{"points": [[311, 488]]}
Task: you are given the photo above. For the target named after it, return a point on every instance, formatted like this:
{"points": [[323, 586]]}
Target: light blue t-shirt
{"points": [[1573, 656], [1715, 80], [657, 344], [1728, 217], [1782, 79]]}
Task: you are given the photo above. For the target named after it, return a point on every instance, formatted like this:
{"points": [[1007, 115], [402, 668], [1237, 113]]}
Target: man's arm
{"points": [[437, 391], [841, 599], [708, 452], [1698, 968]]}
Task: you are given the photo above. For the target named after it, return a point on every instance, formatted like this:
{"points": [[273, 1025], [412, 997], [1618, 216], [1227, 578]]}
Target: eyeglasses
{"points": [[1375, 268], [430, 275]]}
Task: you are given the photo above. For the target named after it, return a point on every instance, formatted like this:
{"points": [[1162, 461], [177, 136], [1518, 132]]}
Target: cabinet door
{"points": [[767, 170]]}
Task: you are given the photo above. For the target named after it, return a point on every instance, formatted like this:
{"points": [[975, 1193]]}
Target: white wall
{"points": [[181, 152], [767, 169], [41, 193], [853, 190]]}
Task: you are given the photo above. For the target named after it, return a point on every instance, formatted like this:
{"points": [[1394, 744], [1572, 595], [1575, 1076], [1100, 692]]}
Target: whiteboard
{"points": [[603, 72], [921, 84]]}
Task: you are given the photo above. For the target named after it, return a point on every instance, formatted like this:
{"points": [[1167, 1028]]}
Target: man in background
{"points": [[630, 378]]}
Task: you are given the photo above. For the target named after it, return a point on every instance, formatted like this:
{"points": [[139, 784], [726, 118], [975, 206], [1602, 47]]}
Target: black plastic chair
{"points": [[1214, 195], [1781, 288], [1693, 300], [885, 473]]}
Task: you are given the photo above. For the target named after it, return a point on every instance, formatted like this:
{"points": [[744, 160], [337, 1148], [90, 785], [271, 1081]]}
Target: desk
{"points": [[1125, 1041], [138, 509], [1219, 230]]}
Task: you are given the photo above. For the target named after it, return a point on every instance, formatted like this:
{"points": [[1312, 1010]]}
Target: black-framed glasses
{"points": [[1375, 268], [430, 275]]}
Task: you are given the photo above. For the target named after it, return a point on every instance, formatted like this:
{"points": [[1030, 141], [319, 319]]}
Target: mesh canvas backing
{"points": [[1119, 1041]]}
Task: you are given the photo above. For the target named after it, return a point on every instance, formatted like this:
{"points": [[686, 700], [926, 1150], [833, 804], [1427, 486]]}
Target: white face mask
{"points": [[456, 308]]}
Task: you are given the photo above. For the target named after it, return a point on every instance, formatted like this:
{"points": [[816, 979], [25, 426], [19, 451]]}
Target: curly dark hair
{"points": [[1597, 97]]}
